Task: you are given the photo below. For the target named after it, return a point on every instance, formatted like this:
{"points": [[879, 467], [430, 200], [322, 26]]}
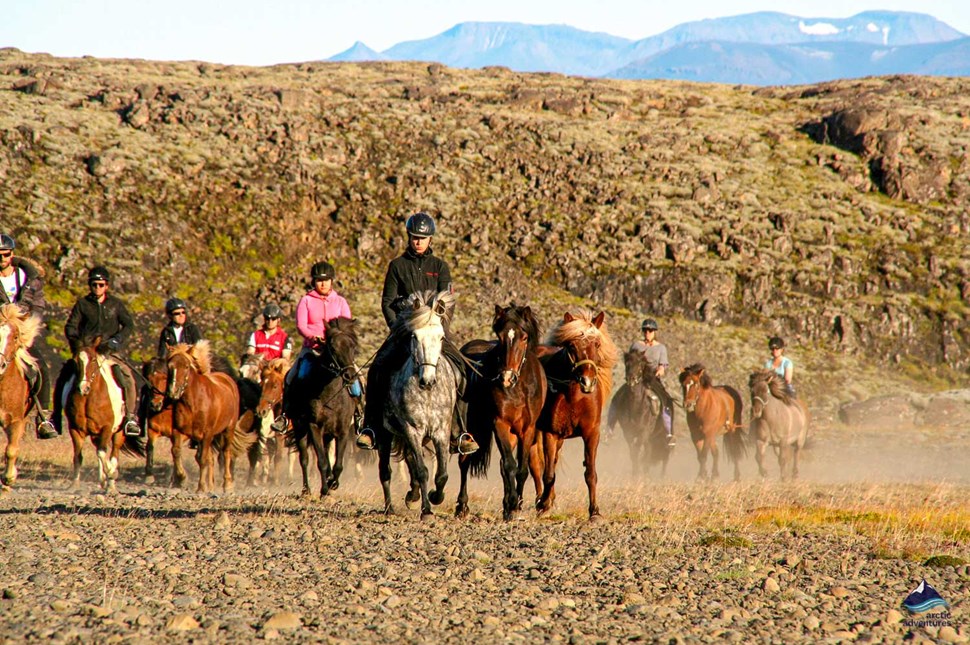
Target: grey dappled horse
{"points": [[777, 419], [422, 397]]}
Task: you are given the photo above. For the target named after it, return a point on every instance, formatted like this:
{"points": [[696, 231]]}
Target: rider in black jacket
{"points": [[178, 330], [417, 269], [100, 314]]}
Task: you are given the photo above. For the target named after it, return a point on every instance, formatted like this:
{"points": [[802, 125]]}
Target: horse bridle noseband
{"points": [[514, 373]]}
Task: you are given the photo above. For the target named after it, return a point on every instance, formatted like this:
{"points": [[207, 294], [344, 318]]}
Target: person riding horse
{"points": [[22, 284], [100, 314], [655, 354], [414, 271], [270, 341], [779, 363], [320, 305], [178, 330]]}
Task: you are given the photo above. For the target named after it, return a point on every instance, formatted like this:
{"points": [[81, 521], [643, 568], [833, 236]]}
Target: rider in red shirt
{"points": [[270, 341]]}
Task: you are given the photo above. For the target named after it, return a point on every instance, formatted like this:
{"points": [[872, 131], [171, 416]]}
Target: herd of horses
{"points": [[523, 395]]}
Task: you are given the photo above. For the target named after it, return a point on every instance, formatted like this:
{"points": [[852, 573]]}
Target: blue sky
{"points": [[264, 32]]}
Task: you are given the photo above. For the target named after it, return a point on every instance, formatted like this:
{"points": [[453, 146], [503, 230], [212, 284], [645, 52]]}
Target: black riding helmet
{"points": [[272, 310], [323, 271], [776, 342], [7, 243], [649, 323], [174, 304], [420, 225], [98, 273]]}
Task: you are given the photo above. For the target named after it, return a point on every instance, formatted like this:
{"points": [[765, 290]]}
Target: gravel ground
{"points": [[675, 561]]}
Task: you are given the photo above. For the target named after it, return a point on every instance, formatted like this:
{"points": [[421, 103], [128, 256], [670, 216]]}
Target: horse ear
{"points": [[598, 321], [498, 311], [440, 307], [568, 317]]}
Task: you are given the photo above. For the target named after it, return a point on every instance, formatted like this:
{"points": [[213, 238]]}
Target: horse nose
{"points": [[509, 379], [426, 383], [586, 384]]}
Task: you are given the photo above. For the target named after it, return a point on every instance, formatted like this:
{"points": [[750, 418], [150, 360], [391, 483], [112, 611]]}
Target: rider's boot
{"points": [[669, 428], [46, 429], [462, 442]]}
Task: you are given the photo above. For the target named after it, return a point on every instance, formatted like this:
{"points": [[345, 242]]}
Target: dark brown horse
{"points": [[712, 410], [206, 405], [158, 421], [95, 409], [579, 371], [637, 412], [505, 402], [328, 414], [17, 333]]}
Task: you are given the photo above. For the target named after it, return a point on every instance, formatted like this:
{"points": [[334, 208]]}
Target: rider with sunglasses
{"points": [[22, 284], [270, 341], [178, 331], [100, 314]]}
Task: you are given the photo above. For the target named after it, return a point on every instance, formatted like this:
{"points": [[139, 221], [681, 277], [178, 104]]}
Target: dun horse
{"points": [[579, 372], [328, 416], [507, 402], [712, 411], [423, 395], [206, 405], [637, 413], [17, 333], [95, 409], [778, 420]]}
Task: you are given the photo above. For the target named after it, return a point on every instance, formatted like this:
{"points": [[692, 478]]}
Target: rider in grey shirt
{"points": [[655, 353]]}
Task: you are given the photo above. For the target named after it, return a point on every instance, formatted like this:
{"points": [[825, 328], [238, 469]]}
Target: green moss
{"points": [[939, 561]]}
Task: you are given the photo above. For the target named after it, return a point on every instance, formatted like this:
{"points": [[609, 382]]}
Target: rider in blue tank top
{"points": [[779, 363]]}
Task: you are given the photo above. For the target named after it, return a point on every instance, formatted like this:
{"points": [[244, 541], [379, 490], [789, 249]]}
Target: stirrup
{"points": [[469, 441], [132, 429], [671, 442], [279, 424], [366, 439], [46, 429]]}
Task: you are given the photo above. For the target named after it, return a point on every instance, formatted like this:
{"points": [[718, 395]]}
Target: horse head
{"points": [[180, 368], [272, 377], [518, 331], [88, 364], [251, 366], [586, 346], [693, 379], [17, 332], [635, 366], [155, 372], [341, 347], [765, 384]]}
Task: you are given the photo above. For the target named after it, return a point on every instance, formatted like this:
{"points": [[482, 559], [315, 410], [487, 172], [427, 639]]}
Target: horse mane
{"points": [[420, 309], [581, 328], [776, 384], [524, 319], [693, 370], [27, 328], [199, 354], [342, 327], [280, 365]]}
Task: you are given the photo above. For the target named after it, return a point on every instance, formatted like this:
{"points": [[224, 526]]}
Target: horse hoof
{"points": [[461, 512], [389, 510], [436, 497], [427, 517], [596, 518], [508, 516], [305, 493], [150, 479], [334, 484]]}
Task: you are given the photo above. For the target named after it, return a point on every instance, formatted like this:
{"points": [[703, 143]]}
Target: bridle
{"points": [[513, 375]]}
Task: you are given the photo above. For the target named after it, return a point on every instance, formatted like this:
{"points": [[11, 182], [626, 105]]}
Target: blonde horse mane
{"points": [[27, 327], [199, 354], [580, 329], [280, 365]]}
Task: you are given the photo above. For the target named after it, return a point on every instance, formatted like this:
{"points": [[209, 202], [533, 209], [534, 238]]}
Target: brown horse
{"points": [[95, 409], [579, 372], [267, 457], [17, 333], [205, 405], [712, 411], [505, 402], [637, 412]]}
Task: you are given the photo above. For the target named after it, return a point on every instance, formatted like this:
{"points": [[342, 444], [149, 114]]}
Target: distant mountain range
{"points": [[765, 48]]}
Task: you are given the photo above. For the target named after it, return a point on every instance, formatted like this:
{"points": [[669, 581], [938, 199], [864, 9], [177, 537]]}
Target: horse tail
{"points": [[734, 441], [134, 446], [479, 460], [242, 442]]}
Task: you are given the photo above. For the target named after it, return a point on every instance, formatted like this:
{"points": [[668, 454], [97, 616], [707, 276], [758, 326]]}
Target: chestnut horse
{"points": [[777, 419], [712, 411], [637, 412], [17, 333], [95, 408], [579, 372], [266, 458], [205, 405], [505, 402], [158, 422]]}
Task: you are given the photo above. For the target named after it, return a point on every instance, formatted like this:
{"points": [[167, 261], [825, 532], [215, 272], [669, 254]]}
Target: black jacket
{"points": [[190, 336], [30, 293], [409, 274], [89, 318]]}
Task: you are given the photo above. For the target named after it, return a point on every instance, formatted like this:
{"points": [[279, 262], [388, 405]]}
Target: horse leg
{"points": [[414, 493], [384, 473], [150, 457], [78, 442], [437, 496], [461, 505], [14, 434], [536, 465], [701, 446], [551, 447], [784, 456], [715, 457], [419, 471], [203, 457], [794, 469], [303, 449], [229, 436], [523, 456], [104, 467], [323, 459], [178, 468], [759, 456], [340, 452], [117, 440], [506, 445], [591, 444]]}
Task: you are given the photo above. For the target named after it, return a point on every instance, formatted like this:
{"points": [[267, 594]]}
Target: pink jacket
{"points": [[314, 311]]}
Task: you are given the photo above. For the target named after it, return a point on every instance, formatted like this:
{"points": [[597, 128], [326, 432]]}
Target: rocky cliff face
{"points": [[833, 215]]}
